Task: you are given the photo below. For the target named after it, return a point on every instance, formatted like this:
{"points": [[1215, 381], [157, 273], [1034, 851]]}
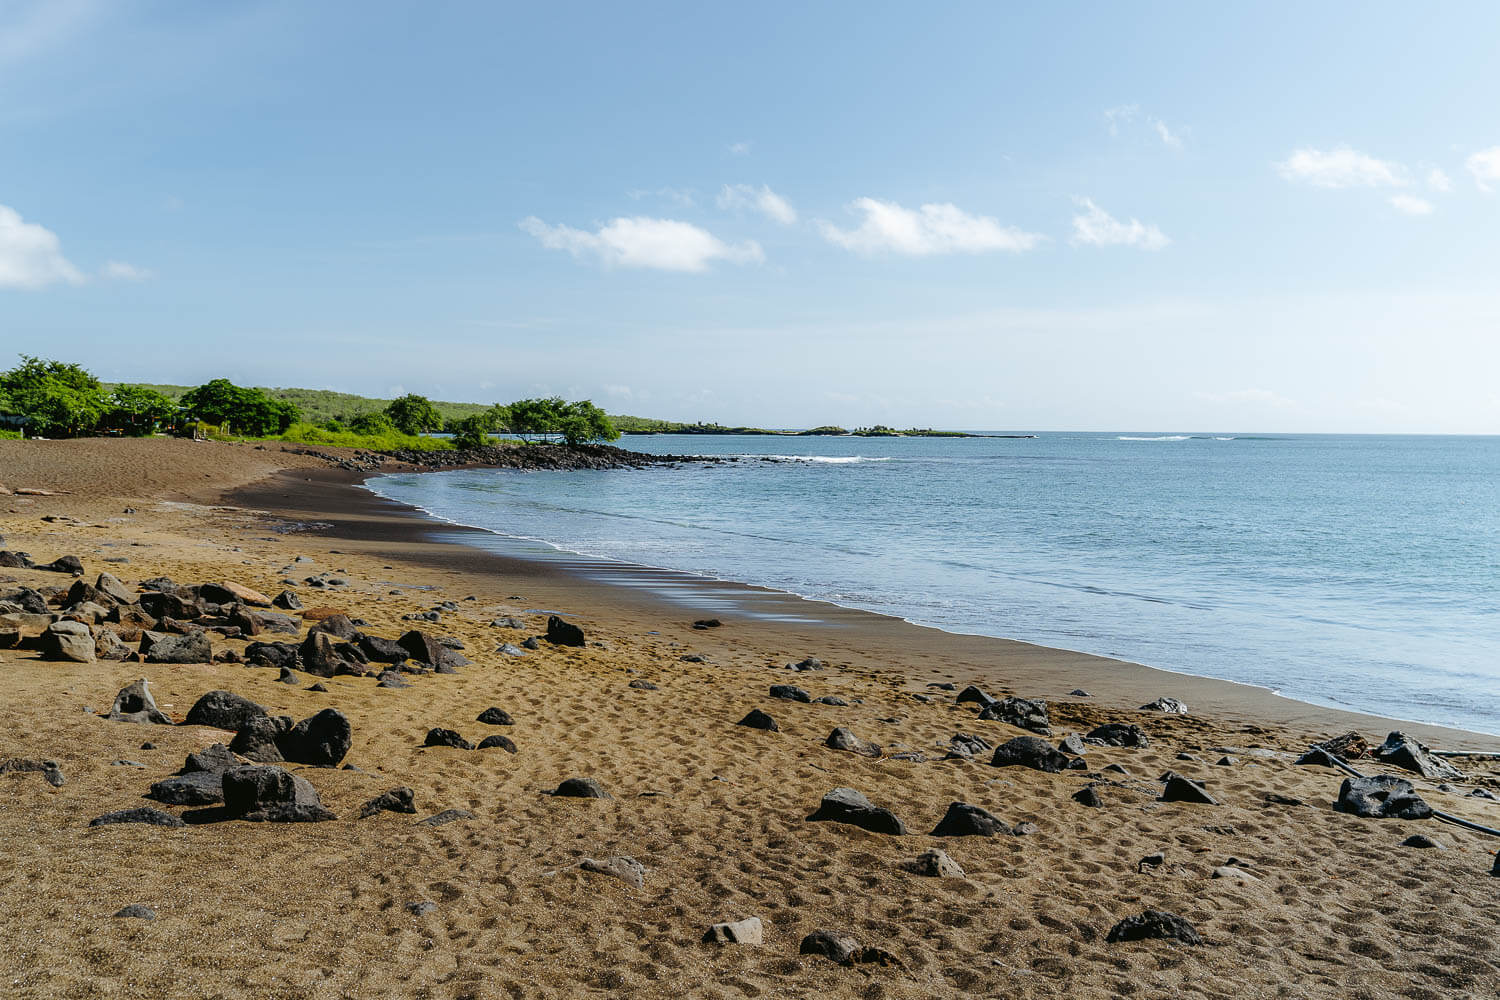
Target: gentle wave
{"points": [[1164, 437], [829, 459]]}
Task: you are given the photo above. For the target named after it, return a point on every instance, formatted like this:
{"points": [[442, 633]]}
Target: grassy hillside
{"points": [[319, 405]]}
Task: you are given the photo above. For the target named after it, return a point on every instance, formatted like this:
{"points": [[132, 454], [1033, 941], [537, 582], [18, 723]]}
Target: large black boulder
{"points": [[439, 737], [192, 648], [581, 788], [253, 787], [964, 820], [223, 710], [322, 740], [496, 717], [1023, 713], [1120, 734], [1400, 750], [422, 647], [273, 654], [259, 738], [1180, 789], [1029, 751], [197, 788], [756, 719], [1154, 924], [789, 692], [845, 805], [382, 650], [1383, 796], [561, 633]]}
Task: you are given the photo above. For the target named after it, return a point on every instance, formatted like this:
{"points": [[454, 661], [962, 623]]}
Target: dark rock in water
{"points": [[831, 699], [1029, 751], [1079, 693], [933, 864], [1317, 756], [321, 740], [215, 759], [788, 692], [135, 704], [287, 601], [964, 820], [143, 814], [497, 740], [199, 788], [1120, 734], [1088, 796], [1180, 789], [1154, 924], [1423, 841], [439, 737], [223, 710], [644, 686], [1383, 796], [834, 947], [845, 805], [254, 787], [495, 717], [581, 788], [1171, 706], [397, 800], [561, 633], [445, 817], [1400, 750], [844, 739], [1073, 744], [1023, 713], [259, 739], [759, 720], [972, 693], [137, 911], [192, 648]]}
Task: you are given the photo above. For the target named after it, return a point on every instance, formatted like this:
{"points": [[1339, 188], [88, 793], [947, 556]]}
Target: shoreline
{"points": [[1029, 669]]}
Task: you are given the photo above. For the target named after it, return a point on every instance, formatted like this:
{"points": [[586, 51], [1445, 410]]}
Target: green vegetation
{"points": [[233, 407], [57, 399], [138, 411], [647, 425], [413, 414], [6, 435], [825, 431], [389, 440]]}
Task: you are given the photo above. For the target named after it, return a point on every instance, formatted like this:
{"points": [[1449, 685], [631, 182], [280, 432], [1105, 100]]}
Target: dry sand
{"points": [[716, 812]]}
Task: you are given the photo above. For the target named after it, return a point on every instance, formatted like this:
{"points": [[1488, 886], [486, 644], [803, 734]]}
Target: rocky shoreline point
{"points": [[532, 457]]}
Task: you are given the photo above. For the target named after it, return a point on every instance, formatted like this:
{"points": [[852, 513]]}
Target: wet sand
{"points": [[717, 813]]}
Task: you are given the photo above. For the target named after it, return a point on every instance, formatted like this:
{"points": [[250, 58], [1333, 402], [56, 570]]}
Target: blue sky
{"points": [[1093, 216]]}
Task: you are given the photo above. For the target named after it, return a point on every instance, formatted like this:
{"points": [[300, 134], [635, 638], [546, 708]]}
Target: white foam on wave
{"points": [[1164, 437]]}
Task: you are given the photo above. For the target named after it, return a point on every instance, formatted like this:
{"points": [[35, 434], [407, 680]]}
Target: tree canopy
{"points": [[233, 407], [59, 400], [575, 423], [413, 414], [137, 410]]}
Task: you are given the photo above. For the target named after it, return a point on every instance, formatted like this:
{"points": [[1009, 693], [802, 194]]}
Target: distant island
{"points": [[647, 425]]}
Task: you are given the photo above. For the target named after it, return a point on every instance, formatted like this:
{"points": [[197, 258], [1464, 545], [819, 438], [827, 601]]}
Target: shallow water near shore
{"points": [[1356, 572]]}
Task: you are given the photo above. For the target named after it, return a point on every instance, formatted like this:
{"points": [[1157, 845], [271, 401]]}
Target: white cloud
{"points": [[1096, 227], [30, 255], [1341, 168], [1485, 166], [1125, 113], [739, 148], [1411, 205], [1438, 180], [934, 229], [762, 199], [121, 271], [678, 196], [1167, 135], [661, 244]]}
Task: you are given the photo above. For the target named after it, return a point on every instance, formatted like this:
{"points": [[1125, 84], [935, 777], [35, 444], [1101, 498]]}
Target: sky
{"points": [[1110, 216]]}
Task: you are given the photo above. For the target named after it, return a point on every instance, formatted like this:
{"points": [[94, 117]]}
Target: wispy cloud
{"points": [[1485, 166], [1340, 168], [1118, 117], [119, 270], [30, 255], [761, 199], [739, 148], [932, 229], [658, 244], [1438, 180], [684, 197], [1096, 227], [1411, 205]]}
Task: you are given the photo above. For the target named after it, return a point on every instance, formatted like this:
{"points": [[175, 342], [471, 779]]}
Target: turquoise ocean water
{"points": [[1359, 572]]}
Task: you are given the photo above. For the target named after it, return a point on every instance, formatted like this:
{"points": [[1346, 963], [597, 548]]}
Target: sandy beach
{"points": [[1315, 903]]}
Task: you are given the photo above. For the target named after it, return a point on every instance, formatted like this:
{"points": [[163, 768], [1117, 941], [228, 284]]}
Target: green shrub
{"points": [[386, 441], [10, 435]]}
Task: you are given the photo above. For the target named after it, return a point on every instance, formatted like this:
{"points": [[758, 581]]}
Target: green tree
{"points": [[233, 407], [137, 410], [472, 432], [536, 418], [59, 400], [413, 414], [372, 423], [582, 422]]}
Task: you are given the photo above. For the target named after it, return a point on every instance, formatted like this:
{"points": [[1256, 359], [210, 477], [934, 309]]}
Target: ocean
{"points": [[1359, 572]]}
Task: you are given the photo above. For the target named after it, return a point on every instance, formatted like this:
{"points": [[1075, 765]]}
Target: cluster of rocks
{"points": [[548, 456]]}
